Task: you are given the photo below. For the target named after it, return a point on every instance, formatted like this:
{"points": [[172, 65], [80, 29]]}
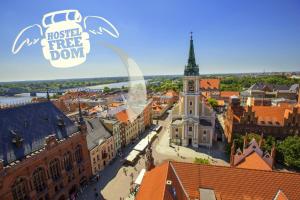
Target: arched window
{"points": [[39, 179], [78, 154], [54, 169], [20, 189], [68, 161]]}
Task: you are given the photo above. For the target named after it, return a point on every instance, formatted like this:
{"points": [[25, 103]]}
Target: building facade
{"points": [[277, 121], [193, 121], [43, 154], [100, 143]]}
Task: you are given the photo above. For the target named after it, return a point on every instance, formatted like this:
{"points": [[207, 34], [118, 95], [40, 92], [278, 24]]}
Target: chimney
{"points": [[232, 152], [273, 154], [261, 140], [245, 141]]}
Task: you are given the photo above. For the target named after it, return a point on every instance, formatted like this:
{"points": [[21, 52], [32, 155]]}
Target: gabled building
{"points": [[277, 121], [100, 144], [193, 121], [187, 181], [43, 154], [252, 156]]}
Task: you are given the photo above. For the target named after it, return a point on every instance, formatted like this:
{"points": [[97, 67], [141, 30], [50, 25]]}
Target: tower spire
{"points": [[48, 96], [81, 121], [192, 68]]}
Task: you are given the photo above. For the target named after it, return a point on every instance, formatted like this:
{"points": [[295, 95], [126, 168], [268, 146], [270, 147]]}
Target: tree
{"points": [[106, 89], [213, 102], [290, 151]]}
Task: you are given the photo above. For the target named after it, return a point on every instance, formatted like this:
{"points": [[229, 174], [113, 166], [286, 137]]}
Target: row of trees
{"points": [[287, 151], [235, 83]]}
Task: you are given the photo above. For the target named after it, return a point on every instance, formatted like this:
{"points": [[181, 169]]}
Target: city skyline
{"points": [[229, 37]]}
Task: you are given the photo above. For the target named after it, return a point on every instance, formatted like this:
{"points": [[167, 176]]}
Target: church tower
{"points": [[193, 121], [191, 97]]}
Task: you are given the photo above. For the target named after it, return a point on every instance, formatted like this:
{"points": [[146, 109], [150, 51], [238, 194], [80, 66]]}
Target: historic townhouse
{"points": [[43, 154], [193, 121], [100, 144]]}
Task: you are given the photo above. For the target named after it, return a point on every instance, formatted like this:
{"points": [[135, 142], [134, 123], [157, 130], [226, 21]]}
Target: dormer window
{"points": [[60, 122], [16, 139]]}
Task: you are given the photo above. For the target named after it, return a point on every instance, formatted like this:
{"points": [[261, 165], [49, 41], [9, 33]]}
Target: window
{"points": [[20, 190], [68, 161], [191, 112], [190, 128], [176, 129], [54, 169], [78, 154], [39, 179], [191, 103]]}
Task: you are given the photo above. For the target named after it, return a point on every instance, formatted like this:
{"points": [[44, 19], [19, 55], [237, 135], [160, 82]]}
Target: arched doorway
{"points": [[72, 192]]}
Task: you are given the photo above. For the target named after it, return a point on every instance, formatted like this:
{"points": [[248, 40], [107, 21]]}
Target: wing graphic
{"points": [[27, 37], [98, 25]]}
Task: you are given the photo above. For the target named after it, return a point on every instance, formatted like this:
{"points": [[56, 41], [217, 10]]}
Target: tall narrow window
{"points": [[78, 154], [39, 179], [68, 161], [190, 128], [20, 189], [54, 169]]}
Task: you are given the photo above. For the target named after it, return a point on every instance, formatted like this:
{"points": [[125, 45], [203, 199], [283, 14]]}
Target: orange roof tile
{"points": [[254, 161], [227, 94], [280, 196], [122, 116], [153, 183], [171, 93], [221, 102], [209, 84], [227, 182]]}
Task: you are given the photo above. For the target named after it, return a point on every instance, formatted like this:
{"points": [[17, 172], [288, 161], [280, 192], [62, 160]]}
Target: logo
{"points": [[64, 36]]}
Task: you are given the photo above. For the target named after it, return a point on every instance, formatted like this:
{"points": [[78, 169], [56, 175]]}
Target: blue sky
{"points": [[229, 36]]}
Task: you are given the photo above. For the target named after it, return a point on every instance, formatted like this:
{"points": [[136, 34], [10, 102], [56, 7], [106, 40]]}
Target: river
{"points": [[25, 97]]}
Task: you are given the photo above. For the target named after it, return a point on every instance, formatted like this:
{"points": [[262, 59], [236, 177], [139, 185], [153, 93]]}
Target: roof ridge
{"points": [[179, 180], [219, 166]]}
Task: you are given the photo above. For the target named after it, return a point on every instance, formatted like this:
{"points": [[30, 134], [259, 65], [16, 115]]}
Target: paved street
{"points": [[115, 184]]}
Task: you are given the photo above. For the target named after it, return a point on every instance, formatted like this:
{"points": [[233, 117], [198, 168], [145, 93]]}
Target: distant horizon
{"points": [[208, 74]]}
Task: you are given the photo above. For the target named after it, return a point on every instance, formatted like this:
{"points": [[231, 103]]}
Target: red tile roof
{"points": [[210, 84], [254, 161], [227, 94], [122, 116], [228, 183], [154, 183]]}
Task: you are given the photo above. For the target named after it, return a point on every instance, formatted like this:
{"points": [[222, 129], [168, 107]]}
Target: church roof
{"points": [[191, 69], [254, 161], [23, 129]]}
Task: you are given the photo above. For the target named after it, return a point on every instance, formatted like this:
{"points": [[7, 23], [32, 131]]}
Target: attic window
{"points": [[60, 122], [254, 147], [16, 139], [91, 125]]}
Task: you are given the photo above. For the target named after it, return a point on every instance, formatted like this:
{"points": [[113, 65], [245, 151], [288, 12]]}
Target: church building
{"points": [[193, 120]]}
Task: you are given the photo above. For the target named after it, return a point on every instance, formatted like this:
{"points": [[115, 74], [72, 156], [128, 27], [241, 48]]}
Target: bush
{"points": [[201, 161]]}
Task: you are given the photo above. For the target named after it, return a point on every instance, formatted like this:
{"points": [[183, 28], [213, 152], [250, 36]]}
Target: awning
{"points": [[140, 177]]}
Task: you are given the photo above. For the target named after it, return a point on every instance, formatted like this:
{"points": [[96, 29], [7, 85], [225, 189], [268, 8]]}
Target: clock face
{"points": [[191, 86]]}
